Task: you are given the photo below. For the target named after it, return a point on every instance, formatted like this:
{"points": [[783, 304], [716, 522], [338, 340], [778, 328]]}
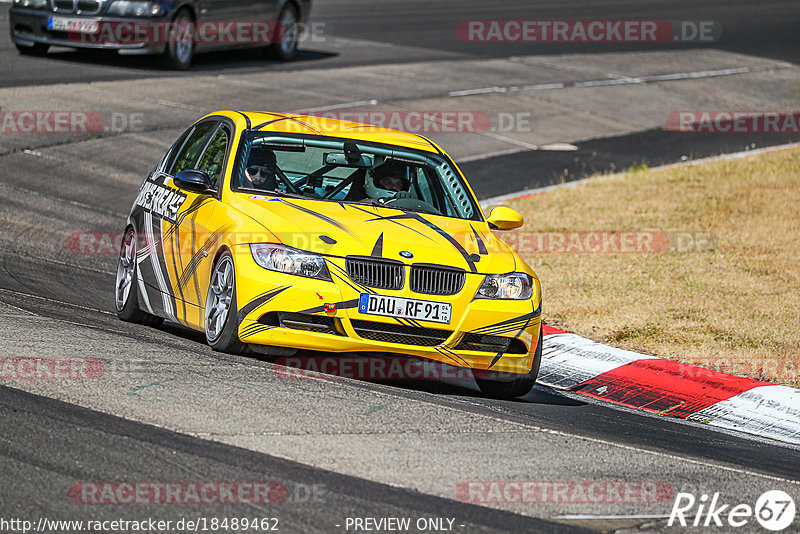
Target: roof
{"points": [[265, 121]]}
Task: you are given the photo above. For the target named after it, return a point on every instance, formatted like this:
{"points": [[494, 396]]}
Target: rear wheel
{"points": [[497, 384], [286, 35], [126, 291], [221, 325], [38, 49], [180, 44]]}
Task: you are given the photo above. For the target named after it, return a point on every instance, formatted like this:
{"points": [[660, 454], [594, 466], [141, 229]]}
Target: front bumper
{"points": [[29, 26], [262, 294]]}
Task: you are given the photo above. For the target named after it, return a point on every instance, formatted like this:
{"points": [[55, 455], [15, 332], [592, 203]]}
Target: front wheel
{"points": [[126, 289], [221, 324], [286, 34], [492, 383], [180, 44]]}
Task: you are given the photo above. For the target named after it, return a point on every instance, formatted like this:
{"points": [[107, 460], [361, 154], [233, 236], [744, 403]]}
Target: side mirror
{"points": [[195, 181], [504, 218]]}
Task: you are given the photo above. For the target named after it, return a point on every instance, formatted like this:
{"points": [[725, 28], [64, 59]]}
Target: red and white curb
{"points": [[666, 387]]}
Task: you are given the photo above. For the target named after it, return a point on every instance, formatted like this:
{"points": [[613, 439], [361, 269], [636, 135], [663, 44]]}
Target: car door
{"points": [[198, 250], [158, 208], [231, 22], [189, 239]]}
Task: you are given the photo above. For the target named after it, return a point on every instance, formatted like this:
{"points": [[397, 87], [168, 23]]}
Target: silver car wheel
{"points": [[218, 301], [126, 268], [184, 46], [289, 31]]}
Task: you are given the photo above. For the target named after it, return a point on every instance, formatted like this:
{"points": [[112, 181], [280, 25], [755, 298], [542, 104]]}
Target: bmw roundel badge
{"points": [[406, 254]]}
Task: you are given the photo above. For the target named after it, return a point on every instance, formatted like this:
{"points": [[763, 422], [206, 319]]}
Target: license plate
{"points": [[66, 24], [422, 310]]}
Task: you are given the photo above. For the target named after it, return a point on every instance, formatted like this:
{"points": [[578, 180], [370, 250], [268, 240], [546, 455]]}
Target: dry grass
{"points": [[734, 307]]}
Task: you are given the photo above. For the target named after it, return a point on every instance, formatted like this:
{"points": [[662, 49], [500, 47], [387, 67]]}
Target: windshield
{"points": [[323, 168]]}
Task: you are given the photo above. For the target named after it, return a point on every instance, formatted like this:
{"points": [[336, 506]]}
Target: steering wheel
{"points": [[412, 204]]}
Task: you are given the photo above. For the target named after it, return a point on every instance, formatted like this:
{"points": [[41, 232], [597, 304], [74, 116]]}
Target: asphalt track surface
{"points": [[55, 302], [767, 29]]}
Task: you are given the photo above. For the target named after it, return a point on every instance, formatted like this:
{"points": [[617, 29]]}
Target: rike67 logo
{"points": [[774, 510]]}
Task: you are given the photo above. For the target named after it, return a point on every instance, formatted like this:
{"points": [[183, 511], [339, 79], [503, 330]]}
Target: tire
{"points": [[126, 288], [37, 50], [497, 384], [180, 47], [220, 321], [285, 49]]}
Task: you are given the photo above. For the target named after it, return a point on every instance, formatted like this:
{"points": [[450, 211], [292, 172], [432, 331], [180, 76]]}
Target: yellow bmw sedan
{"points": [[276, 232]]}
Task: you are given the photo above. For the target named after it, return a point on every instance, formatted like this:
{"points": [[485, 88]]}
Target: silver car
{"points": [[173, 29]]}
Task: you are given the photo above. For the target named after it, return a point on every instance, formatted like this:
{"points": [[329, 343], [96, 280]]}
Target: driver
{"points": [[388, 181], [260, 170]]}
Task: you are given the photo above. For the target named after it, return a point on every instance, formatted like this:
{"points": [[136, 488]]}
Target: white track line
{"points": [[626, 80]]}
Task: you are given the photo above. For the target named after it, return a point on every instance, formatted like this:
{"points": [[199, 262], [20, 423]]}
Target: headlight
{"points": [[31, 4], [127, 8], [512, 286], [289, 260]]}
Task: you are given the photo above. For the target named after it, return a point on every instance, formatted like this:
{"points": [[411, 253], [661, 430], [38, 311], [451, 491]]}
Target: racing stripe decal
{"points": [[377, 250], [142, 285], [467, 257], [320, 216], [176, 241], [452, 354], [393, 219], [193, 207], [342, 275], [481, 246], [443, 353], [509, 325], [290, 119], [193, 226], [516, 336], [202, 252], [260, 300], [153, 247], [253, 329]]}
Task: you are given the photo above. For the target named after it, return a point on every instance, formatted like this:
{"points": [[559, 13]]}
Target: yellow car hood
{"points": [[343, 229]]}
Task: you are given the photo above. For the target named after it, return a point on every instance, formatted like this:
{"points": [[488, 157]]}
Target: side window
{"points": [[213, 159], [187, 155], [169, 159]]}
